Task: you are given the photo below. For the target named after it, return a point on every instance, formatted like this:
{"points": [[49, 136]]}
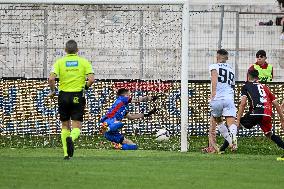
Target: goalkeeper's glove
{"points": [[154, 98], [151, 112]]}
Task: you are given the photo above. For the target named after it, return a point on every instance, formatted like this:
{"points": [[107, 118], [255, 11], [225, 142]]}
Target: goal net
{"points": [[138, 47], [142, 47]]}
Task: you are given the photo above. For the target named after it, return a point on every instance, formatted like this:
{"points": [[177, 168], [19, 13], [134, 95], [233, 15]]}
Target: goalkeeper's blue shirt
{"points": [[118, 110]]}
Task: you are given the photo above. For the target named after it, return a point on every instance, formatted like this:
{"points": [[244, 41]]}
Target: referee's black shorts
{"points": [[71, 105]]}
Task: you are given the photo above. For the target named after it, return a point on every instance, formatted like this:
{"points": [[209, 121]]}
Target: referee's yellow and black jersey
{"points": [[72, 71]]}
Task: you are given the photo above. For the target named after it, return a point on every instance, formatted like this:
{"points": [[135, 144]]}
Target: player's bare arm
{"points": [[241, 109], [282, 106], [134, 116], [144, 99], [279, 111], [91, 80], [214, 79], [141, 115], [51, 82]]}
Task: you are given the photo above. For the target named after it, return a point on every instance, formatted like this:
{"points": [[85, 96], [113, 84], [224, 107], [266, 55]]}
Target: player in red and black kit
{"points": [[260, 101]]}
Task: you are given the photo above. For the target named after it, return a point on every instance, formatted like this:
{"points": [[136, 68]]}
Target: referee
{"points": [[72, 71]]}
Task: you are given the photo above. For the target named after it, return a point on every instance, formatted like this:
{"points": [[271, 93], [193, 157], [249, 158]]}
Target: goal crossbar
{"points": [[148, 2], [172, 2]]}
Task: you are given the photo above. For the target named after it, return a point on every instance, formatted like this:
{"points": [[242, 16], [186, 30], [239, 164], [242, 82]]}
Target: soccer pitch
{"points": [[45, 168]]}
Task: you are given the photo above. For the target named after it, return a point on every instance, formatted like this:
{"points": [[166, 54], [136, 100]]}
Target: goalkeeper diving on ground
{"points": [[111, 122]]}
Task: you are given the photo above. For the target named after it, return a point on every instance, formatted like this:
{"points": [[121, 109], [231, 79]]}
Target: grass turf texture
{"points": [[247, 145], [45, 168]]}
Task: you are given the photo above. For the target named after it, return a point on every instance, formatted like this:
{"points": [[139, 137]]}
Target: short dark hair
{"points": [[261, 53], [222, 52], [253, 73], [71, 47], [122, 91]]}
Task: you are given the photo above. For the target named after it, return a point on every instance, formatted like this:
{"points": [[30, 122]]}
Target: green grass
{"points": [[107, 169], [247, 145]]}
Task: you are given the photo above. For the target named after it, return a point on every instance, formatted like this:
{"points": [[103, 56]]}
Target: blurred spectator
{"points": [[280, 22], [269, 23], [281, 4], [264, 69]]}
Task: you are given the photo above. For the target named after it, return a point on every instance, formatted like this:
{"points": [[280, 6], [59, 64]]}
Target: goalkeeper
{"points": [[111, 122]]}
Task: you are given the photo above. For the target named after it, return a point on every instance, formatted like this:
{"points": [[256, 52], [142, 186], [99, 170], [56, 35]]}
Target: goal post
{"points": [[184, 78]]}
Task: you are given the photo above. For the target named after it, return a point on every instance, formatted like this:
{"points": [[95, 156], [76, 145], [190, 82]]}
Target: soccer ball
{"points": [[162, 135]]}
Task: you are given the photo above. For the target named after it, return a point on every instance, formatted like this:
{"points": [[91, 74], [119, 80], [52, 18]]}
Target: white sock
{"points": [[233, 129], [225, 133]]}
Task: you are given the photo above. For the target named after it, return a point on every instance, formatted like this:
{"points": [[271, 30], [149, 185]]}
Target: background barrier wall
{"points": [[136, 41], [25, 110]]}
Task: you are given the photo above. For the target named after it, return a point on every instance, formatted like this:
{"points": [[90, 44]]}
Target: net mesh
{"points": [[27, 111], [122, 42]]}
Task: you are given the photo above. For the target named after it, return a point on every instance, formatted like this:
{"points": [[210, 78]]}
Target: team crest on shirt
{"points": [[71, 63]]}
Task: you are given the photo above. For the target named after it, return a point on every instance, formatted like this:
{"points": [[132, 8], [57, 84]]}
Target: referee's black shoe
{"points": [[70, 146], [66, 158]]}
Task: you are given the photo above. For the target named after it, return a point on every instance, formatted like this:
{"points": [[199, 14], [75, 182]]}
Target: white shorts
{"points": [[224, 107]]}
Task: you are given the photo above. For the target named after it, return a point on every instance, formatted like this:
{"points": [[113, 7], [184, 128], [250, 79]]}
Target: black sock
{"points": [[277, 140], [224, 146]]}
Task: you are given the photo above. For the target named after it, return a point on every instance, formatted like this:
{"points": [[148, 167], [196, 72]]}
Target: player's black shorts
{"points": [[248, 121], [71, 105]]}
